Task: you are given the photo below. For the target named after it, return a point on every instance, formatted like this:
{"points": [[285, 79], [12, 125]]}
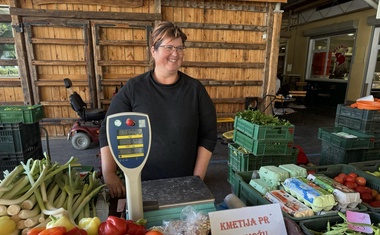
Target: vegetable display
{"points": [[40, 193], [260, 118]]}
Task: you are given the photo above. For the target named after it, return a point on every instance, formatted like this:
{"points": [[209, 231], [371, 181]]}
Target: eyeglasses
{"points": [[169, 49]]}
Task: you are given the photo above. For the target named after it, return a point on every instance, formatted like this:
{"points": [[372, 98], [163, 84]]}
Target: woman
{"points": [[181, 113]]}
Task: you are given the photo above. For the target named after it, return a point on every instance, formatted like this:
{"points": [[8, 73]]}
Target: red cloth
{"points": [[301, 157]]}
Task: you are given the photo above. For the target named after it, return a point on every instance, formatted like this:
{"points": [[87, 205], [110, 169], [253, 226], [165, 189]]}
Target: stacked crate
{"points": [[355, 137], [20, 135], [255, 145], [365, 121]]}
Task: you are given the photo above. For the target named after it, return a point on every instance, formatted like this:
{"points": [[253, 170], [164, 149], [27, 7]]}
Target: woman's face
{"points": [[167, 57]]}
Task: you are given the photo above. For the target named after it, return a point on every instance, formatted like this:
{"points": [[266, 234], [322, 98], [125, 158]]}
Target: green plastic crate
{"points": [[24, 114], [361, 114], [332, 154], [363, 141], [260, 132], [251, 197], [233, 180], [19, 137], [357, 124], [334, 170], [240, 161], [263, 147], [320, 224]]}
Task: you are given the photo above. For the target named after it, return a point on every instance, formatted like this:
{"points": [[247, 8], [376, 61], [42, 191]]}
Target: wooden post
{"points": [[273, 58]]}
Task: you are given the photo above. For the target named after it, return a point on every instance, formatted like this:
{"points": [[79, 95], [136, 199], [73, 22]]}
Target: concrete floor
{"points": [[306, 124]]}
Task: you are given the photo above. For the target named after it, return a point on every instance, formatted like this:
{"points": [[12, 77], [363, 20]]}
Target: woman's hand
{"points": [[114, 184]]}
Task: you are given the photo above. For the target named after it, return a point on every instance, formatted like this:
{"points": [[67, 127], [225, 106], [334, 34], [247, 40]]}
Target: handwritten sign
{"points": [[254, 220], [361, 218]]}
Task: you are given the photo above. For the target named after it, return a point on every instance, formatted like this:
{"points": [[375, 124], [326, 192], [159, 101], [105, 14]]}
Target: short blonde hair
{"points": [[165, 29]]}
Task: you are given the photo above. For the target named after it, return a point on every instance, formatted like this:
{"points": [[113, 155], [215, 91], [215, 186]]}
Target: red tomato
{"points": [[349, 178], [339, 179], [351, 185], [375, 203], [366, 197], [342, 175], [360, 180], [353, 174]]}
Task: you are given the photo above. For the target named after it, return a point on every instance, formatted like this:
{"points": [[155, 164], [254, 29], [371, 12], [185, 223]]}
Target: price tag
{"points": [[253, 220], [358, 217]]}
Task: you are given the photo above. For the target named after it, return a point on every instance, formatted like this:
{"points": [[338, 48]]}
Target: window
{"points": [[330, 57], [8, 62]]}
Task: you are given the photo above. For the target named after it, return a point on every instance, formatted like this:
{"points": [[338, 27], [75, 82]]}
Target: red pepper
{"points": [[136, 228], [76, 231], [60, 230], [36, 231], [113, 226]]}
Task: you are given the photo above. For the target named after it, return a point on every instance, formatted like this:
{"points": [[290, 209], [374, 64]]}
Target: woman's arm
{"points": [[109, 168], [201, 164]]}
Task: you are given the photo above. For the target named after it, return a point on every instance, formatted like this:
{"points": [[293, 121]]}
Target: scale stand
{"points": [[129, 138]]}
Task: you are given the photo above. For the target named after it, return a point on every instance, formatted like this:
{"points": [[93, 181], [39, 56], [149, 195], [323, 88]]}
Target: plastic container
{"points": [[362, 114], [331, 135], [334, 170], [263, 147], [252, 197], [10, 161], [260, 132], [239, 160], [357, 124], [332, 154], [16, 138], [320, 224], [371, 154], [23, 114]]}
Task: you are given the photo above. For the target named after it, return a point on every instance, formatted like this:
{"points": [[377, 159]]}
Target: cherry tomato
{"points": [[360, 180], [353, 175], [349, 178], [339, 179]]}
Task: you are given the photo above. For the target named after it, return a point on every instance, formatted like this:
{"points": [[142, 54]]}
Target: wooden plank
{"points": [[119, 3], [224, 45], [11, 62], [86, 15], [123, 43], [228, 100], [58, 41], [15, 83], [122, 62], [222, 65], [257, 28], [219, 5], [61, 62]]}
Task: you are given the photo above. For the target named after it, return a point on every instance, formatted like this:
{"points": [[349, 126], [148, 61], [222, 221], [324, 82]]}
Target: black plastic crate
{"points": [[332, 154], [10, 161], [18, 138]]}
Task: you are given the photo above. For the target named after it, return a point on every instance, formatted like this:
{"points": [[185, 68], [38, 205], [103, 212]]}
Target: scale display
{"points": [[129, 138]]}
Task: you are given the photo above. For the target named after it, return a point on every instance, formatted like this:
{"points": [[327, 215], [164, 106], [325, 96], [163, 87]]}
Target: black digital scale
{"points": [[129, 138]]}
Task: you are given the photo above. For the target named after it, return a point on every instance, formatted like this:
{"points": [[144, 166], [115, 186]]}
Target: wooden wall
{"points": [[232, 48]]}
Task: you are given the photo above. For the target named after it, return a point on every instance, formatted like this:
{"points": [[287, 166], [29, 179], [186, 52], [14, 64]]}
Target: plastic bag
{"points": [[191, 222]]}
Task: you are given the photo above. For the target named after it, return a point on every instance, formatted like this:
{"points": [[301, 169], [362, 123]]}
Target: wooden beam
{"points": [[224, 45], [257, 28], [86, 15], [119, 3], [223, 65]]}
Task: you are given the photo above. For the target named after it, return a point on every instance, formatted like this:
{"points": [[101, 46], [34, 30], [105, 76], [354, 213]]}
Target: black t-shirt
{"points": [[182, 117]]}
